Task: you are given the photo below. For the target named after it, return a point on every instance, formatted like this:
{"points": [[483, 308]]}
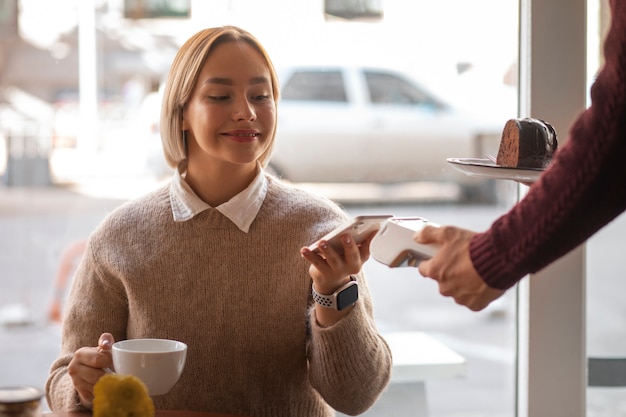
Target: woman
{"points": [[216, 260]]}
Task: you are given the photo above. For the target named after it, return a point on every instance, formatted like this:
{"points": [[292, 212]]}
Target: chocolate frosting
{"points": [[537, 144]]}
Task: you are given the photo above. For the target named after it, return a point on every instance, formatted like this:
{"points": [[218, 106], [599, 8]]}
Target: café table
{"points": [[418, 358], [158, 413]]}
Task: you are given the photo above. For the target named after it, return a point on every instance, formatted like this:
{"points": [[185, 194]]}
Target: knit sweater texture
{"points": [[240, 301], [583, 190]]}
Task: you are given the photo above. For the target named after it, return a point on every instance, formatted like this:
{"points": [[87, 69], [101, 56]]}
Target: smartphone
{"points": [[359, 228]]}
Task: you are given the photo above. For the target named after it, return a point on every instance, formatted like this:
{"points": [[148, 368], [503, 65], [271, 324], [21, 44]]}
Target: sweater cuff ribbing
{"points": [[489, 263]]}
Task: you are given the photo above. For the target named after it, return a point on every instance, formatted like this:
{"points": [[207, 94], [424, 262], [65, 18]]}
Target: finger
{"points": [[433, 267], [83, 377], [484, 298], [330, 255], [105, 342], [85, 384], [472, 303], [319, 266], [448, 291], [352, 254], [429, 234], [364, 248], [425, 269], [314, 258]]}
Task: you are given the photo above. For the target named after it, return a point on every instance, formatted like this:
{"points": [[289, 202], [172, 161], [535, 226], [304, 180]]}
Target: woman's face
{"points": [[231, 116]]}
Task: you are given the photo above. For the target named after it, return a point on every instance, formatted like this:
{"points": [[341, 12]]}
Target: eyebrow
{"points": [[228, 81]]}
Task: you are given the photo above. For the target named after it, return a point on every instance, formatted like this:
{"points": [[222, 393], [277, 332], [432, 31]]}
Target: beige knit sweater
{"points": [[241, 302]]}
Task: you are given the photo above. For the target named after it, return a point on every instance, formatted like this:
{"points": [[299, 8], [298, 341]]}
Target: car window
{"points": [[385, 88], [315, 86]]}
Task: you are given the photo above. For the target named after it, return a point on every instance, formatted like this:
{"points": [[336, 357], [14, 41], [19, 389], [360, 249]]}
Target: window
{"points": [[391, 89], [315, 86]]}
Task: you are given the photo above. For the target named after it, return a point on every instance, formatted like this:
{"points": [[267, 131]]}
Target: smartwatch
{"points": [[344, 297]]}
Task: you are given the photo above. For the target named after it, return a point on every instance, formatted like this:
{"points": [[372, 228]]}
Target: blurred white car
{"points": [[358, 124]]}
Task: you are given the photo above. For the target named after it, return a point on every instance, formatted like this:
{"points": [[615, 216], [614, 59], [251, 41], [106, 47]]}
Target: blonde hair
{"points": [[181, 81]]}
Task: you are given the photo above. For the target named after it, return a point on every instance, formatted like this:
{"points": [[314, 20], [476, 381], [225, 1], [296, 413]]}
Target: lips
{"points": [[242, 136]]}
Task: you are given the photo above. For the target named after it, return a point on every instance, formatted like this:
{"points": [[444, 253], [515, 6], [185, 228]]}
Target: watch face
{"points": [[347, 297]]}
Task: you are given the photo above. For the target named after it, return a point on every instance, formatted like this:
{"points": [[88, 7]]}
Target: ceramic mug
{"points": [[157, 362]]}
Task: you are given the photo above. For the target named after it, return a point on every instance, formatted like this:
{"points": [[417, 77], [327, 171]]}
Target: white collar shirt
{"points": [[242, 209]]}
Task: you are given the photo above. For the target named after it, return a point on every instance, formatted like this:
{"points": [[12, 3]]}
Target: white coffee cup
{"points": [[157, 362]]}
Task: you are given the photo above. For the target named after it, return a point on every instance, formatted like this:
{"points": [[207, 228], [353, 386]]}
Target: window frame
{"points": [[551, 359]]}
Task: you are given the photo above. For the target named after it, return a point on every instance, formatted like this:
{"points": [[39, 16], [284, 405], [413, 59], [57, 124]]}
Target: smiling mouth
{"points": [[242, 137]]}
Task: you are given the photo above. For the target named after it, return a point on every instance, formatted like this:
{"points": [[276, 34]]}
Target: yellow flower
{"points": [[121, 396]]}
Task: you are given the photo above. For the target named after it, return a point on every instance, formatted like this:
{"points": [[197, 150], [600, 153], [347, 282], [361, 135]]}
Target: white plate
{"points": [[486, 168]]}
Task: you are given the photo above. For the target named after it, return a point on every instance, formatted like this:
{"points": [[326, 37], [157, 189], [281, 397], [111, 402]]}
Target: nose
{"points": [[243, 110]]}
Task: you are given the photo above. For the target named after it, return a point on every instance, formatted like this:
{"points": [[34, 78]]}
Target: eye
{"points": [[261, 97], [218, 98]]}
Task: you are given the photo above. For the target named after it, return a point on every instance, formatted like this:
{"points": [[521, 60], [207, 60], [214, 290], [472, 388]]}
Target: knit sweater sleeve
{"points": [[349, 362], [581, 192], [94, 306]]}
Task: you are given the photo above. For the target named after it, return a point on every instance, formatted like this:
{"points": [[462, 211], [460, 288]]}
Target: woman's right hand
{"points": [[88, 365]]}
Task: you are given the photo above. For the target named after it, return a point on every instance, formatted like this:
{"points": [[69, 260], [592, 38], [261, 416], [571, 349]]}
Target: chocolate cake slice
{"points": [[527, 143]]}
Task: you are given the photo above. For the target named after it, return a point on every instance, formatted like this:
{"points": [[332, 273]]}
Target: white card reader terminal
{"points": [[394, 246]]}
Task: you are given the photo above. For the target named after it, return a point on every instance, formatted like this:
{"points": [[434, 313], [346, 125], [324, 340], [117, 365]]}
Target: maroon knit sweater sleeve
{"points": [[583, 190]]}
